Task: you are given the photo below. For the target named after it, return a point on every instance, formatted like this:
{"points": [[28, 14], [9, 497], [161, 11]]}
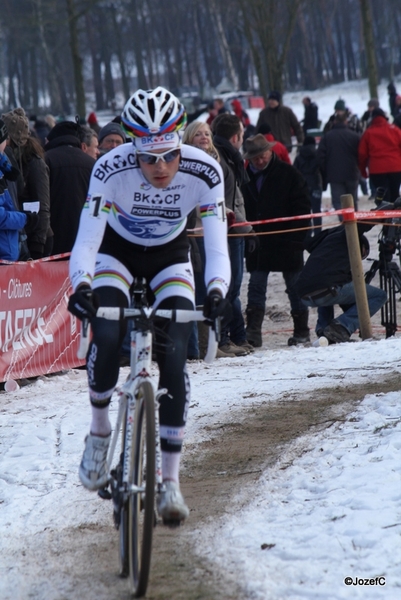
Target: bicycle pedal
{"points": [[172, 523], [104, 494]]}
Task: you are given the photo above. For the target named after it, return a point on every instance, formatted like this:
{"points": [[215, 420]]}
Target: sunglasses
{"points": [[151, 159]]}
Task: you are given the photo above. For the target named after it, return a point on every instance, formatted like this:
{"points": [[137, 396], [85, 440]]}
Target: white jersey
{"points": [[120, 196]]}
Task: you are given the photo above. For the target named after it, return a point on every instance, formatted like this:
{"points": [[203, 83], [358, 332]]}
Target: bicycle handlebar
{"points": [[113, 313]]}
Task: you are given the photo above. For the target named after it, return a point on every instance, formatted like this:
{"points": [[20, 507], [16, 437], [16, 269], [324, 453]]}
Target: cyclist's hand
{"points": [[215, 306], [83, 303]]}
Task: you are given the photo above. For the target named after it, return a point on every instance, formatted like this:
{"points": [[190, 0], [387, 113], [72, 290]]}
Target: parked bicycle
{"points": [[137, 478]]}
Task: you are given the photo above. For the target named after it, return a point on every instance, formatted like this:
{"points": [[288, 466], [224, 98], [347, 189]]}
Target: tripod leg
{"points": [[389, 310]]}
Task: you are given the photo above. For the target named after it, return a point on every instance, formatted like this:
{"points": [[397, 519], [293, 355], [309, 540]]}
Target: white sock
{"points": [[100, 424], [171, 466]]}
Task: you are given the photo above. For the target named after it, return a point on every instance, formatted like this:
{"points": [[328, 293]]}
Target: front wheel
{"points": [[141, 504]]}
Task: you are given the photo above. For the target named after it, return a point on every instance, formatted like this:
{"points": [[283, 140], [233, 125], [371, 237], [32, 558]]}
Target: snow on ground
{"points": [[334, 513]]}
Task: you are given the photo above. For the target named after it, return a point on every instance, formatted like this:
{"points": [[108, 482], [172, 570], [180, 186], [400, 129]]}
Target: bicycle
{"points": [[137, 478]]}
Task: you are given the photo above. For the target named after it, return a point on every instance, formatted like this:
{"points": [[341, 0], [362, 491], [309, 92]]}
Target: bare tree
{"points": [[367, 27]]}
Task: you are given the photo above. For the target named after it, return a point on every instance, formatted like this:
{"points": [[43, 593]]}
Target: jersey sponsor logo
{"points": [[201, 169], [155, 139], [165, 213], [109, 167], [171, 188], [140, 197], [150, 228]]}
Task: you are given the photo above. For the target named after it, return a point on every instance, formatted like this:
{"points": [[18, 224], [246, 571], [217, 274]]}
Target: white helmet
{"points": [[153, 112]]}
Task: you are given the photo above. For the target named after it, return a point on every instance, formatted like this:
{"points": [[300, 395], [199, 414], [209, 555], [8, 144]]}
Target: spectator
{"points": [[275, 189], [240, 112], [199, 134], [228, 137], [219, 106], [397, 112], [93, 122], [367, 115], [379, 155], [392, 94], [110, 136], [310, 120], [212, 113], [70, 171], [29, 155], [307, 164], [366, 120], [341, 110], [283, 122], [279, 149], [337, 156], [324, 283], [40, 129], [90, 142], [11, 219]]}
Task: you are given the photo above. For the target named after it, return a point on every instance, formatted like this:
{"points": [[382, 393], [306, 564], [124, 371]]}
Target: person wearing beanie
{"points": [[282, 121], [12, 220], [379, 155], [307, 164], [342, 110], [29, 155], [367, 115], [70, 170], [110, 136]]}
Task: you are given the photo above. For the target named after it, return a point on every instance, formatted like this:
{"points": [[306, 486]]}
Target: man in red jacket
{"points": [[379, 155]]}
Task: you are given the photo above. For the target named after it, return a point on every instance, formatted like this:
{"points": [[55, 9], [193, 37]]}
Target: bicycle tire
{"points": [[141, 507]]}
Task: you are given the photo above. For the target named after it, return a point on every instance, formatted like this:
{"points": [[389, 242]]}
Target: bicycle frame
{"points": [[140, 363]]}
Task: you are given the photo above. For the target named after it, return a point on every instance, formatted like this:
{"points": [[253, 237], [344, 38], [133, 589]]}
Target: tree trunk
{"points": [[367, 28], [137, 43], [224, 47], [54, 90], [76, 60], [96, 63], [120, 54]]}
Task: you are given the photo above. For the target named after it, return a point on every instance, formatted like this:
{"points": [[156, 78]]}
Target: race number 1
{"points": [[96, 204], [221, 209]]}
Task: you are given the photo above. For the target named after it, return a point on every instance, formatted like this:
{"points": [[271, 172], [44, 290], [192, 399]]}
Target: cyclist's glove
{"points": [[83, 303], [216, 306]]}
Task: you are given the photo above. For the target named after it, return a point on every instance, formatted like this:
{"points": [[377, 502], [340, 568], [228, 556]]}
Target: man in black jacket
{"points": [[70, 171], [326, 281], [275, 189], [337, 156]]}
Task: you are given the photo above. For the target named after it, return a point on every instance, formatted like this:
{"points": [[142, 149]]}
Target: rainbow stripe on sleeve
{"points": [[208, 210]]}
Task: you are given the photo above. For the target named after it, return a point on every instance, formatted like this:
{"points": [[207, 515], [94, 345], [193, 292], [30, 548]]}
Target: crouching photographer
{"points": [[326, 281]]}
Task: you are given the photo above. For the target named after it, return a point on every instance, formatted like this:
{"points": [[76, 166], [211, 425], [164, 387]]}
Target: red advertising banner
{"points": [[37, 333]]}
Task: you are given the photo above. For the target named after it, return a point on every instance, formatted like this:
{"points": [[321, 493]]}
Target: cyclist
{"points": [[134, 224]]}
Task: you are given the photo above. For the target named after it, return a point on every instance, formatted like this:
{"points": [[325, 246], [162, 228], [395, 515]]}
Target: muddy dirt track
{"points": [[82, 563]]}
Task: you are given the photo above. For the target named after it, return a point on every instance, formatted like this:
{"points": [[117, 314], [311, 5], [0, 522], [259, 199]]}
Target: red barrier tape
{"points": [[349, 214]]}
